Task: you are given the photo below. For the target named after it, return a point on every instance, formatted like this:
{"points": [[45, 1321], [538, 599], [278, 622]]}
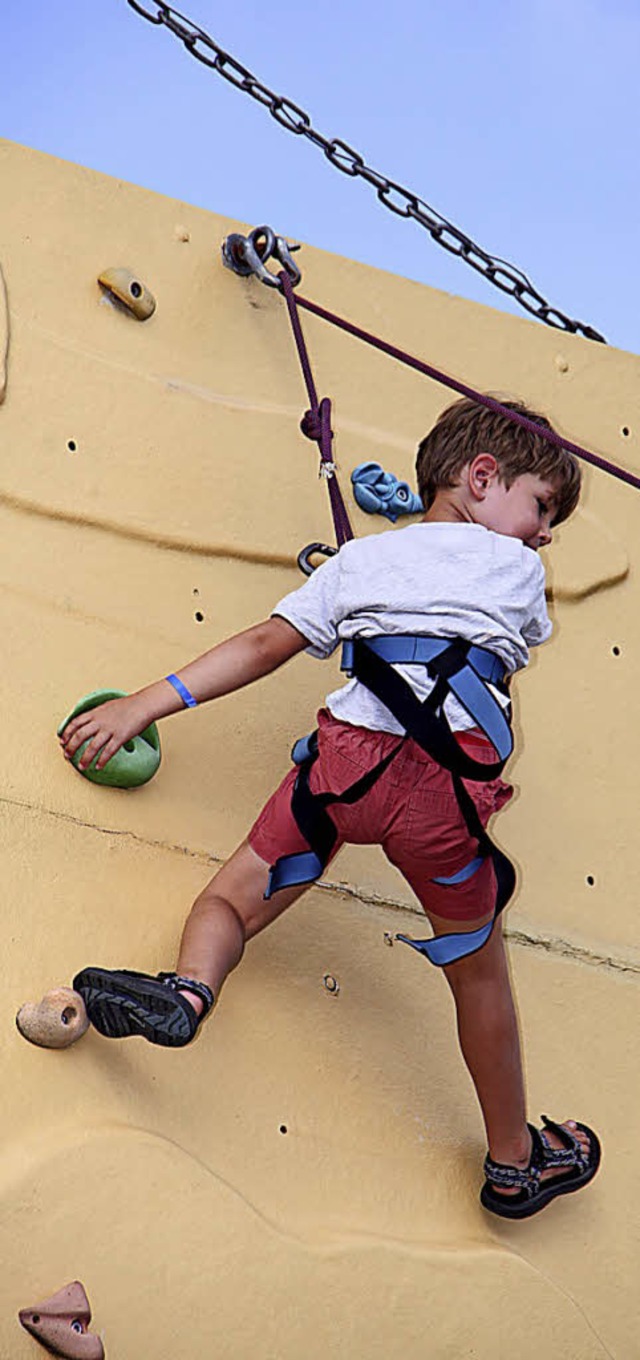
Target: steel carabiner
{"points": [[282, 254], [248, 255], [307, 553]]}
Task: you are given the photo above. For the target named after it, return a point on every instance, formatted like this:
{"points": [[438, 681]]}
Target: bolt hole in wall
{"points": [[626, 431], [616, 651], [331, 984], [591, 882], [71, 445], [283, 1128]]}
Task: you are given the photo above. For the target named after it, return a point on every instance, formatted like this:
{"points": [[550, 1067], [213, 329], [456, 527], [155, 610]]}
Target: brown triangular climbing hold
{"points": [[60, 1324]]}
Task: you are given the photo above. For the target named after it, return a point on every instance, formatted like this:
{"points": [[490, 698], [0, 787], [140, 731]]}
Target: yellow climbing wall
{"points": [[303, 1181]]}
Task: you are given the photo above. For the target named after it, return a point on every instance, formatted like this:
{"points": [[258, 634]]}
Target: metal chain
{"points": [[401, 201]]}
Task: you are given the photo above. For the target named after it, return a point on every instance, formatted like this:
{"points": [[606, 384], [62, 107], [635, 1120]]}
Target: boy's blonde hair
{"points": [[466, 429]]}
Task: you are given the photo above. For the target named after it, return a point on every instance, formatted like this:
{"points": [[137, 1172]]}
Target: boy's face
{"points": [[525, 510]]}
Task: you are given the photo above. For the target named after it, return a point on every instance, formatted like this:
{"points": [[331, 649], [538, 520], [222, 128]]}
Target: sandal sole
{"points": [[121, 1005], [497, 1204]]}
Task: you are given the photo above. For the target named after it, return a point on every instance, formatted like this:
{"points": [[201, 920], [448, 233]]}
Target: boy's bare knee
{"points": [[211, 902]]}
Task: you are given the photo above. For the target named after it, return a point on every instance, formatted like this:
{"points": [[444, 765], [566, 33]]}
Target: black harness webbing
{"points": [[425, 721], [457, 668]]}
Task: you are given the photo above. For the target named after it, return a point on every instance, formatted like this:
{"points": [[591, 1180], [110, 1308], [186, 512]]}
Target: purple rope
{"points": [[479, 397], [316, 423]]}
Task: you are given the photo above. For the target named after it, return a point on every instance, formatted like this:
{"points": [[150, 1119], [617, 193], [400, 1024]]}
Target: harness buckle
{"points": [[247, 255]]}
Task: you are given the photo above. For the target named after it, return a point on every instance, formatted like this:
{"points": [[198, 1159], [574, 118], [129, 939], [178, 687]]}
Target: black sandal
{"points": [[534, 1193], [121, 1003]]}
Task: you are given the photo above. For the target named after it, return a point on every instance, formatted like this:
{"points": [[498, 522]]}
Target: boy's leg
{"points": [[167, 1009], [490, 1042], [227, 913]]}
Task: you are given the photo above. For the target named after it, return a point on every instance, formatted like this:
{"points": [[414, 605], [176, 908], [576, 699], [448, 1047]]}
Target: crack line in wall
{"points": [[548, 944], [113, 831]]}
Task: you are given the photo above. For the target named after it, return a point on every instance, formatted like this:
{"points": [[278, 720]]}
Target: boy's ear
{"points": [[483, 470]]}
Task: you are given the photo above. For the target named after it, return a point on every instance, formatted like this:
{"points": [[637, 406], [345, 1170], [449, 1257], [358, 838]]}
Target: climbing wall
{"points": [[302, 1181]]}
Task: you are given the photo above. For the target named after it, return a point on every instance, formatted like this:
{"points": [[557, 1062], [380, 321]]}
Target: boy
{"points": [[443, 611]]}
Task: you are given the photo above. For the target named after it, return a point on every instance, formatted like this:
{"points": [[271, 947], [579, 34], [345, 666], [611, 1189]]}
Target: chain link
{"points": [[397, 199]]}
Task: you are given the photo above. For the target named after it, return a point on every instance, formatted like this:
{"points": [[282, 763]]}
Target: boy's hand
{"points": [[227, 667], [106, 729]]}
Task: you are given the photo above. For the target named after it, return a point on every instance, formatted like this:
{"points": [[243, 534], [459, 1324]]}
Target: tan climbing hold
{"points": [[128, 289], [61, 1322], [57, 1021]]}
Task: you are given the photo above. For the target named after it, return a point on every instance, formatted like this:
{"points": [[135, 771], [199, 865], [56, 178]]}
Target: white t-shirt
{"points": [[439, 579]]}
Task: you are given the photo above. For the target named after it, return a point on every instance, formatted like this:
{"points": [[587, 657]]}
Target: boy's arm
{"points": [[229, 666]]}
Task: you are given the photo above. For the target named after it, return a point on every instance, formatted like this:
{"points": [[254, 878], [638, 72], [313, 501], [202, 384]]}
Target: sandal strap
{"points": [[184, 984], [543, 1158], [526, 1178], [572, 1154]]}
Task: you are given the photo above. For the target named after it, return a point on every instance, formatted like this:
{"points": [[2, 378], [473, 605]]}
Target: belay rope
{"points": [[316, 423], [595, 459], [249, 255]]}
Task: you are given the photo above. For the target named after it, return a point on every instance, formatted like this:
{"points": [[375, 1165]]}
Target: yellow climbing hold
{"points": [[129, 290]]}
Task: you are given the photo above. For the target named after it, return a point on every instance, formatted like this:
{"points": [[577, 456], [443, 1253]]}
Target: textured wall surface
{"points": [[303, 1181]]}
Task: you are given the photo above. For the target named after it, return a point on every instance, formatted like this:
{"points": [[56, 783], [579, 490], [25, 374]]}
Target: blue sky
{"points": [[517, 121]]}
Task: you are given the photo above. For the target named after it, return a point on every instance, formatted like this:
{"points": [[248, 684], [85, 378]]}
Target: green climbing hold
{"points": [[134, 764]]}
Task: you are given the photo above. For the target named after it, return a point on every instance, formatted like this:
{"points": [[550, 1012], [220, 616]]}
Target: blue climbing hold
{"points": [[381, 493], [134, 764]]}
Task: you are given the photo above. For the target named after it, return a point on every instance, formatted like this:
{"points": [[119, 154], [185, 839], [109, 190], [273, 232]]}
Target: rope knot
{"points": [[316, 424], [311, 425]]}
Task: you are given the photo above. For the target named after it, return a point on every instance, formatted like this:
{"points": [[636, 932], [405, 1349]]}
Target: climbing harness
{"points": [[458, 668], [398, 200]]}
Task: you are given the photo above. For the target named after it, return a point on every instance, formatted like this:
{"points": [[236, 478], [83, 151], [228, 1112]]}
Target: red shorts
{"points": [[411, 811]]}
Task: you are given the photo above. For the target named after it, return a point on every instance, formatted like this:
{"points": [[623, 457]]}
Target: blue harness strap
{"points": [[444, 949], [464, 670], [456, 667]]}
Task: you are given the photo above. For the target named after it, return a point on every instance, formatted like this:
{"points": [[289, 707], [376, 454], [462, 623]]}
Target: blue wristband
{"points": [[187, 698]]}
